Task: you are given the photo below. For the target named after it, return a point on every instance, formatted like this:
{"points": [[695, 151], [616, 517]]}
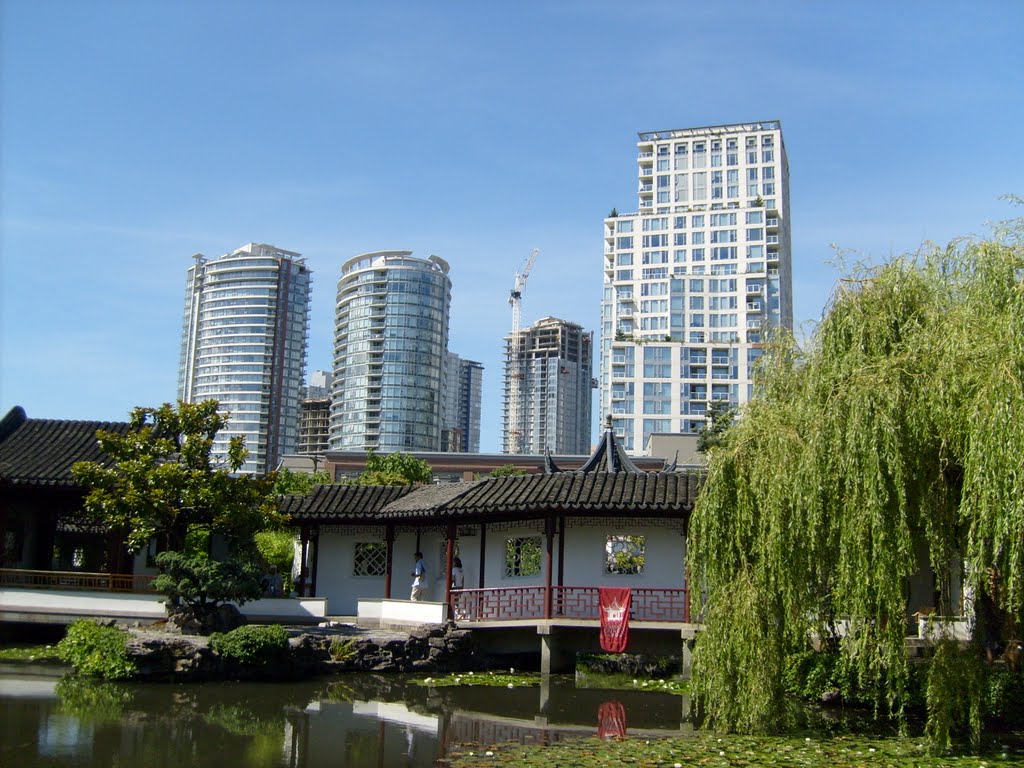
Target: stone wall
{"points": [[435, 649]]}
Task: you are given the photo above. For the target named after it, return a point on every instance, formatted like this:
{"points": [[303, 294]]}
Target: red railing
{"points": [[510, 603], [101, 582]]}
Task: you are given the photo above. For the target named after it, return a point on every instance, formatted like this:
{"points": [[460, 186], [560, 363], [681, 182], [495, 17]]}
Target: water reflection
{"points": [[357, 720]]}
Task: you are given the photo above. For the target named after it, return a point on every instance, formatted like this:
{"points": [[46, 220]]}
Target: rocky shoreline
{"points": [[434, 649]]}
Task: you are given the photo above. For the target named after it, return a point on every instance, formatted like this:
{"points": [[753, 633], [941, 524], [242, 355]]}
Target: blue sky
{"points": [[136, 134]]}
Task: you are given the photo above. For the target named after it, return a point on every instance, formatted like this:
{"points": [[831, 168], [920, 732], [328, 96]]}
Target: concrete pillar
{"points": [[548, 653], [686, 656]]}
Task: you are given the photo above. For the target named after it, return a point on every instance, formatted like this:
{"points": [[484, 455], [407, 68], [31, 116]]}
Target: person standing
{"points": [[419, 578], [458, 582]]}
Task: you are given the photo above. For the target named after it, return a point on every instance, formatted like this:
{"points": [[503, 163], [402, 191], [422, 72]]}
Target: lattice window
{"points": [[522, 556], [371, 558], [624, 554]]}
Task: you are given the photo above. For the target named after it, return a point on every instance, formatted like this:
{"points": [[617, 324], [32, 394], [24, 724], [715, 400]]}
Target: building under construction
{"points": [[548, 367]]}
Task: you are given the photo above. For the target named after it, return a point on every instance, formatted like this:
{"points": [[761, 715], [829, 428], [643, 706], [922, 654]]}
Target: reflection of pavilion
{"points": [[384, 733]]}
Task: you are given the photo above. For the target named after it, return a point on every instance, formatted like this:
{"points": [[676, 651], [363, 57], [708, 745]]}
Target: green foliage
{"points": [[252, 644], [720, 417], [162, 480], [342, 649], [809, 674], [482, 679], [394, 469], [288, 482], [507, 470], [198, 580], [900, 425], [276, 548], [955, 695], [96, 651], [709, 749], [22, 653]]}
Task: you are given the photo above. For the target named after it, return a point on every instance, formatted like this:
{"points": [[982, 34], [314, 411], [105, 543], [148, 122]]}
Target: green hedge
{"points": [[96, 650], [252, 644]]}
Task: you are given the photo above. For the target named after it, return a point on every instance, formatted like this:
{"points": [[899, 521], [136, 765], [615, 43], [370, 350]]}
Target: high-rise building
{"points": [[696, 279], [243, 343], [315, 415], [390, 347], [551, 362], [460, 419]]}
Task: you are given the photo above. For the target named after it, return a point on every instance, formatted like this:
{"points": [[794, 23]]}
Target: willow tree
{"points": [[899, 428]]}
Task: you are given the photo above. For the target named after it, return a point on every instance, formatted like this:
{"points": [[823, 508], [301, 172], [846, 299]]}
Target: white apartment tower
{"points": [[390, 352], [552, 363], [243, 343], [696, 279]]}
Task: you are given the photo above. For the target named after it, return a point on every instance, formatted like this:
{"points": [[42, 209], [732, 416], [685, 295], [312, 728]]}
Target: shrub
{"points": [[252, 644], [97, 650], [342, 649], [199, 580]]}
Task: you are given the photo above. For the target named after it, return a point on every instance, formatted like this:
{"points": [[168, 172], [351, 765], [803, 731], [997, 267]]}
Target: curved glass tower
{"points": [[390, 350], [244, 344]]}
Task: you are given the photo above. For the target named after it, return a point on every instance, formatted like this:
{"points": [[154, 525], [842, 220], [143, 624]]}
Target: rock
{"points": [[832, 698]]}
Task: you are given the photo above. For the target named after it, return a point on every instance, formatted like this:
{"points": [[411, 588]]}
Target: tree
{"points": [[394, 469], [900, 426], [164, 483], [288, 482], [507, 470], [719, 418]]}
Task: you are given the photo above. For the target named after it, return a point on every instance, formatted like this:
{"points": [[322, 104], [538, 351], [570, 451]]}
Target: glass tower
{"points": [[695, 280], [244, 339], [390, 352]]}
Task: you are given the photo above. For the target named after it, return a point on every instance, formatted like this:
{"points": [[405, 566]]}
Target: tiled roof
{"points": [[342, 502], [41, 451], [569, 493]]}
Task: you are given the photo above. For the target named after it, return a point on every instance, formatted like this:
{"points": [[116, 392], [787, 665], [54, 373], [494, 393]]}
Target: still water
{"points": [[355, 720]]}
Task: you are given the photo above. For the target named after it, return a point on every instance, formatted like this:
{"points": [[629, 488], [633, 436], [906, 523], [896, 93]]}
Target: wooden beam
{"points": [[449, 554]]}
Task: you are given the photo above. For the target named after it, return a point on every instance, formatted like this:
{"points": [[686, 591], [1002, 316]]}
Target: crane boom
{"points": [[515, 362]]}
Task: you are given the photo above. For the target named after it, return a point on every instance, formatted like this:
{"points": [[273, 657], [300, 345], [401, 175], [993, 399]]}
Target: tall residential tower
{"points": [[243, 344], [551, 363], [460, 415], [390, 348], [695, 280]]}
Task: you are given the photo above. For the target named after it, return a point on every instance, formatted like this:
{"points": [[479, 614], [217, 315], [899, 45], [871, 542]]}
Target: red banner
{"points": [[611, 720], [614, 603]]}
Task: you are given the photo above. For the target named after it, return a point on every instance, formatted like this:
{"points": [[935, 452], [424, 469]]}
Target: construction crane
{"points": [[516, 358]]}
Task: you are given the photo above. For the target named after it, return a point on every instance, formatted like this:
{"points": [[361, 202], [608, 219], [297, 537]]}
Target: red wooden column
{"points": [[549, 535], [561, 561], [389, 541], [448, 555]]}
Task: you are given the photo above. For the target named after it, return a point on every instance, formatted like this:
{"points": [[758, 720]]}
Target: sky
{"points": [[134, 135]]}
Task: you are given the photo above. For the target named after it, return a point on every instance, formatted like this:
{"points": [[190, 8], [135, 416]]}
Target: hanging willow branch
{"points": [[894, 441]]}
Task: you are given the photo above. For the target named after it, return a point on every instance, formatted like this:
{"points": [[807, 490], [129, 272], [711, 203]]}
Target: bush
{"points": [[96, 650], [810, 674], [199, 580], [252, 645]]}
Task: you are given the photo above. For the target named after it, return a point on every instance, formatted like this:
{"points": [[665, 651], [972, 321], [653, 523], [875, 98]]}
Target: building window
{"points": [[625, 555], [522, 556], [370, 558]]}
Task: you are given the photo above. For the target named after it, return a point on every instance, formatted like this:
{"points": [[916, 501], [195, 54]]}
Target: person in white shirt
{"points": [[419, 578]]}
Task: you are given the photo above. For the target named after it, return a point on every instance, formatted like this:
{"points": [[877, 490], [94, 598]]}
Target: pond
{"points": [[352, 720]]}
